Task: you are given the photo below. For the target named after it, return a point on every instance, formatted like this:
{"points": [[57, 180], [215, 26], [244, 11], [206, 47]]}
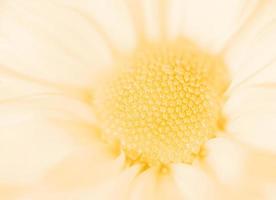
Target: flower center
{"points": [[163, 102]]}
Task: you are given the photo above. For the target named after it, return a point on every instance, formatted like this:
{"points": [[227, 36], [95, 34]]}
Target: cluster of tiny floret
{"points": [[161, 104]]}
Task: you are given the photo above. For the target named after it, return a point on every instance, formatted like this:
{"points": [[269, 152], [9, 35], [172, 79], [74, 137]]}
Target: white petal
{"points": [[252, 116], [112, 18], [84, 168], [50, 105], [29, 148], [241, 171], [252, 54], [193, 183], [35, 135], [49, 41], [144, 186], [167, 188], [210, 23], [153, 184], [11, 192], [227, 160], [270, 191], [147, 18], [12, 87], [260, 168], [115, 188], [175, 17]]}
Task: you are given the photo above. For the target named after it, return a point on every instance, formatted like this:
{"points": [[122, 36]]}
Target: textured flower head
{"points": [[137, 99]]}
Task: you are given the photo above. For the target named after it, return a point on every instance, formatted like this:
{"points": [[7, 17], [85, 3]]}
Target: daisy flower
{"points": [[137, 99]]}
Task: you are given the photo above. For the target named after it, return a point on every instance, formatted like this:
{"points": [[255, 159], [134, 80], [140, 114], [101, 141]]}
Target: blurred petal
{"points": [[241, 171], [211, 23], [154, 18], [30, 126], [12, 87], [83, 168], [193, 183], [61, 47], [153, 184], [144, 186], [49, 105], [252, 116], [111, 18], [175, 17], [115, 188], [167, 188], [25, 150], [270, 192], [251, 56], [10, 192], [228, 169], [260, 168]]}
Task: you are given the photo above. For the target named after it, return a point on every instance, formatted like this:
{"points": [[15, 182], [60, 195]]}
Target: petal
{"points": [[193, 183], [154, 19], [25, 150], [211, 23], [144, 186], [228, 169], [60, 47], [270, 191], [37, 134], [83, 168], [10, 192], [114, 188], [251, 113], [259, 172], [260, 168], [241, 171], [149, 18], [167, 188], [47, 105], [154, 184], [12, 87], [175, 17], [111, 18], [251, 55]]}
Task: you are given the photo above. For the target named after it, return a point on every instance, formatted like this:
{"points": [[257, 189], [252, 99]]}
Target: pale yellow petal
{"points": [[259, 171], [12, 87], [175, 17], [153, 18], [193, 183], [167, 188], [154, 184], [111, 18], [49, 105], [84, 168], [38, 132], [240, 171], [226, 160], [251, 116], [212, 23], [30, 147], [11, 192], [251, 55], [270, 191], [115, 188], [49, 41], [144, 186]]}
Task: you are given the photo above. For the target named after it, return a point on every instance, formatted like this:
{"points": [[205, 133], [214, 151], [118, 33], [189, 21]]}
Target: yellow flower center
{"points": [[163, 101]]}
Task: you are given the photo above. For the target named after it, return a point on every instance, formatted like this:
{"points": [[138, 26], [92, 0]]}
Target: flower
{"points": [[150, 99]]}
